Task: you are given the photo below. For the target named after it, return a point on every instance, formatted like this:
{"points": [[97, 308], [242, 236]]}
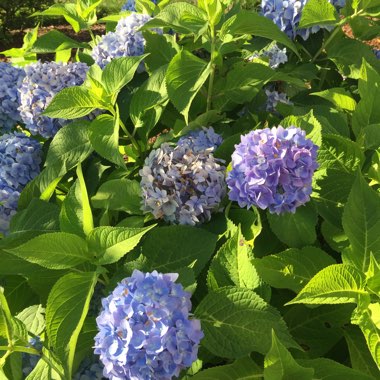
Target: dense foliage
{"points": [[193, 195]]}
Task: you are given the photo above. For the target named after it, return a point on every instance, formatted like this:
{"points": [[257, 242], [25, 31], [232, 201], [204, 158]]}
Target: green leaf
{"points": [[104, 137], [182, 17], [161, 49], [368, 320], [38, 216], [69, 147], [340, 153], [185, 76], [149, 101], [237, 321], [71, 216], [331, 192], [66, 310], [326, 369], [372, 136], [58, 250], [280, 365], [335, 284], [318, 12], [249, 22], [72, 103], [338, 96], [242, 84], [55, 41], [33, 318], [249, 220], [241, 369], [367, 111], [360, 357], [232, 265], [165, 250], [42, 371], [293, 268], [119, 194], [120, 72], [295, 230], [110, 244], [347, 54], [319, 329], [361, 223]]}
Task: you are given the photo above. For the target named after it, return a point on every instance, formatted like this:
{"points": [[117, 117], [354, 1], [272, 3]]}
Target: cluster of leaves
{"points": [[292, 296]]}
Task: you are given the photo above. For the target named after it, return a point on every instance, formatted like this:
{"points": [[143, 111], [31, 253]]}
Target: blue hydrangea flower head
{"points": [[272, 169], [286, 14], [145, 329], [10, 80], [20, 158], [201, 140], [276, 55], [273, 98], [130, 5], [89, 369], [182, 186], [42, 82], [126, 41], [377, 53]]}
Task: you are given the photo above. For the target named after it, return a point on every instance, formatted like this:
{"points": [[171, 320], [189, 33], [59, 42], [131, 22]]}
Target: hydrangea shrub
{"points": [[237, 166]]}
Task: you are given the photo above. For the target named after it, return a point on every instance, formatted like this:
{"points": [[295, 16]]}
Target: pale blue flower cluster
{"points": [[124, 42], [286, 14], [182, 186], [42, 82], [275, 55], [20, 158], [30, 361], [272, 169], [89, 369], [10, 80], [145, 330], [130, 5], [201, 140], [273, 98]]}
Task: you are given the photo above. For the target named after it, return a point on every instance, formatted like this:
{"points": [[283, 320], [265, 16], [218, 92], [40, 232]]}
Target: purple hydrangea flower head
{"points": [[42, 82], [286, 14], [20, 158], [145, 331], [130, 5], [377, 53], [272, 169], [10, 80], [182, 186], [89, 369], [273, 98], [276, 55], [124, 42], [201, 140], [8, 205]]}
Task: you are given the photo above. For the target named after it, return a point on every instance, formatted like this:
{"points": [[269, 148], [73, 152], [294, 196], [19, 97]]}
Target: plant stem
{"points": [[334, 33], [212, 74]]}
